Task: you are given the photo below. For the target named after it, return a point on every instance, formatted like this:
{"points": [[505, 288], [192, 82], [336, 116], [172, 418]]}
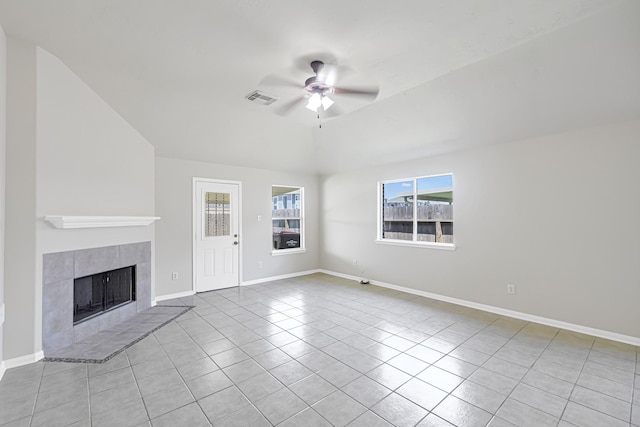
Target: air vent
{"points": [[261, 98]]}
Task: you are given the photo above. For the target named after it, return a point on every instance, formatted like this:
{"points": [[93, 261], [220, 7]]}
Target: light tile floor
{"points": [[321, 351]]}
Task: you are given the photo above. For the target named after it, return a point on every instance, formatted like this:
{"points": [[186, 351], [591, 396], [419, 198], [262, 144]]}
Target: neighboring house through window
{"points": [[287, 218]]}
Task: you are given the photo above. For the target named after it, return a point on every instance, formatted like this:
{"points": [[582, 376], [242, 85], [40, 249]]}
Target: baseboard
{"points": [[173, 296], [247, 283], [284, 276], [2, 368], [342, 275], [23, 360], [502, 311]]}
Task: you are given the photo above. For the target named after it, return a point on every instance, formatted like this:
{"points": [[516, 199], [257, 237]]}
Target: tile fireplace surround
{"points": [[59, 271]]}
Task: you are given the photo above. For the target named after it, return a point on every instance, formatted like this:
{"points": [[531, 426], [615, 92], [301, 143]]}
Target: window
{"points": [[287, 219], [417, 210], [217, 215]]}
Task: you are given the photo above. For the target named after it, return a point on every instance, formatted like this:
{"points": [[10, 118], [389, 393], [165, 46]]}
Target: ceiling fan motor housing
{"points": [[315, 84], [317, 66]]}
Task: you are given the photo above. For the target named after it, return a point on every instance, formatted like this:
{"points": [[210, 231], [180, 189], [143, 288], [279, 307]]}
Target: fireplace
{"points": [[100, 292], [74, 309]]}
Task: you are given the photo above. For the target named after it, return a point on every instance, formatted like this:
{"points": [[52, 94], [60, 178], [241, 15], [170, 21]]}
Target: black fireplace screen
{"points": [[101, 292]]}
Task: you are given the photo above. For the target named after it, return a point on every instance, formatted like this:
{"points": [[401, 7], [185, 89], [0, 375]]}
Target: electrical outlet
{"points": [[259, 218], [259, 264], [174, 275], [511, 289], [354, 262]]}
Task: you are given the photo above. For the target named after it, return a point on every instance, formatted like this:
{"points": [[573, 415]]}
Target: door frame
{"points": [[194, 225]]}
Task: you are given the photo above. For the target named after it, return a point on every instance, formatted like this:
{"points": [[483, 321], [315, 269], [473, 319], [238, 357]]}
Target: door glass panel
{"points": [[217, 214]]}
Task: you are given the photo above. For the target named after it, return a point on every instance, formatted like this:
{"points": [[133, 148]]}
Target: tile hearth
{"points": [[106, 344]]}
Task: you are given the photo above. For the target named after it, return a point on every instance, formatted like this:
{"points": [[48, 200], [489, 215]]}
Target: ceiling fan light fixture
{"points": [[326, 102], [314, 102]]}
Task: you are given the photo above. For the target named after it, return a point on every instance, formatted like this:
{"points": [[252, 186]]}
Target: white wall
{"points": [[558, 216], [173, 232], [3, 134], [20, 195], [582, 75], [82, 158]]}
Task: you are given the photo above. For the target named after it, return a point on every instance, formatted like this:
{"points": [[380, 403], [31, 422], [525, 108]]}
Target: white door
{"points": [[216, 235]]}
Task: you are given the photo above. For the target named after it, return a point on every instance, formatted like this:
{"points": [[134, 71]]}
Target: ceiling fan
{"points": [[320, 92]]}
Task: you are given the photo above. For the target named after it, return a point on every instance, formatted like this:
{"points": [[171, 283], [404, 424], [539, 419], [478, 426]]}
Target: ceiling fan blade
{"points": [[330, 73], [272, 80], [288, 106], [370, 93], [334, 111]]}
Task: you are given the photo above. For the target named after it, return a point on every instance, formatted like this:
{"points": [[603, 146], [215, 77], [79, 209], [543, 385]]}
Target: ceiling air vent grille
{"points": [[261, 98]]}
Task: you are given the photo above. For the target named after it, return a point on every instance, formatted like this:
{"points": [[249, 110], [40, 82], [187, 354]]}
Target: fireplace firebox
{"points": [[101, 292]]}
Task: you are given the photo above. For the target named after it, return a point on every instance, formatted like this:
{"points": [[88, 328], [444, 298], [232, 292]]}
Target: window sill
{"points": [[288, 251], [426, 245]]}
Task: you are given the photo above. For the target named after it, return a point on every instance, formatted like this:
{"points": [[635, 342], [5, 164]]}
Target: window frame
{"points": [[301, 218], [414, 242]]}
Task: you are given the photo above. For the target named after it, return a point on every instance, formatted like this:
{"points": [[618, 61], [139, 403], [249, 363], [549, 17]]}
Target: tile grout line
{"points": [[89, 398], [144, 405], [531, 368], [468, 377], [277, 379], [233, 383], [35, 401], [313, 373], [184, 382], [266, 370]]}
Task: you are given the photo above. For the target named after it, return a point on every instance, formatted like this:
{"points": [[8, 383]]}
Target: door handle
{"points": [[235, 243]]}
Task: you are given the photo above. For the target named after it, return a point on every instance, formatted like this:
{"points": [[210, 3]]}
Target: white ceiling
{"points": [[452, 74]]}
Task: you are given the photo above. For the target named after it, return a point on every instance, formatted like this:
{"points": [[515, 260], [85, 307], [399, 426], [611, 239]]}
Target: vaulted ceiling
{"points": [[452, 74]]}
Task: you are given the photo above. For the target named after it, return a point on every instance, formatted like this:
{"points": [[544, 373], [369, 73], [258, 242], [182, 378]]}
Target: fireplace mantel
{"points": [[67, 221]]}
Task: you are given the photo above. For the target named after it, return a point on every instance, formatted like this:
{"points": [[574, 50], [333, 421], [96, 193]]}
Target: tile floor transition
{"points": [[322, 351]]}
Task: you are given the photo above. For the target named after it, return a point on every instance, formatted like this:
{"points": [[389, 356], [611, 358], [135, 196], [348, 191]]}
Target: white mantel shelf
{"points": [[66, 221]]}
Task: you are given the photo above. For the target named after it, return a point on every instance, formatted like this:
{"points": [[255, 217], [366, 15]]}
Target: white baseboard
{"points": [[627, 339], [2, 367], [173, 296], [247, 283], [342, 275], [23, 360], [284, 276]]}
